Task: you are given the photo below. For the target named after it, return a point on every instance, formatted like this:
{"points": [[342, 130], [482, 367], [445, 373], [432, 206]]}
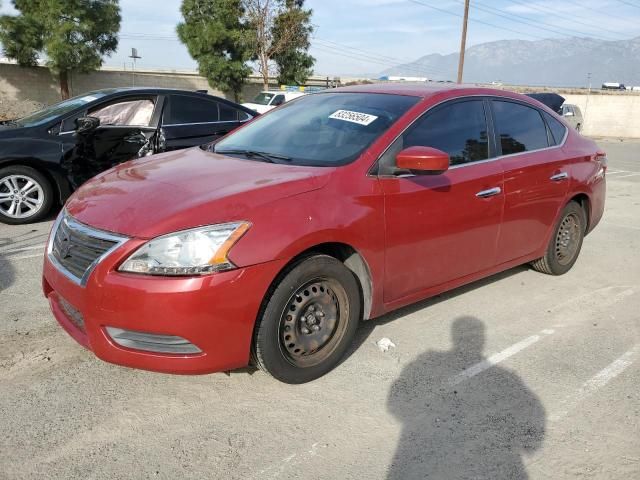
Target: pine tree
{"points": [[216, 38], [294, 63]]}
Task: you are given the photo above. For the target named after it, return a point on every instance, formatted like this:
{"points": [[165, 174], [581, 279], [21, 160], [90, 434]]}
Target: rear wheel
{"points": [[309, 320], [566, 242], [26, 195]]}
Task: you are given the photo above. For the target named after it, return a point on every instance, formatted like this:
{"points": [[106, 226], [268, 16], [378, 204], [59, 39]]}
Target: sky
{"points": [[364, 37]]}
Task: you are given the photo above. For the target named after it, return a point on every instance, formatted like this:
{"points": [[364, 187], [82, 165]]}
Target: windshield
{"points": [[323, 129], [53, 111], [263, 98]]}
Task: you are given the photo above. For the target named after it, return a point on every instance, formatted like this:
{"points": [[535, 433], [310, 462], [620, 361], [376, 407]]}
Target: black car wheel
{"points": [[309, 320], [565, 243], [26, 195]]}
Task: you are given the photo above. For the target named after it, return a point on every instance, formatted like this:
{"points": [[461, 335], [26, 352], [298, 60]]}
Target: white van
{"points": [[270, 99]]}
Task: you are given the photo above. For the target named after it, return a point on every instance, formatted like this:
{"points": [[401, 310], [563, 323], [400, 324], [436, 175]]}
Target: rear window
{"points": [[263, 98], [558, 130], [519, 128], [227, 113]]}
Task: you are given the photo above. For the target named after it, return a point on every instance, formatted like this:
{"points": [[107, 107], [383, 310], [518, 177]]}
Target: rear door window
{"points": [[459, 129], [519, 128], [558, 130], [185, 109]]}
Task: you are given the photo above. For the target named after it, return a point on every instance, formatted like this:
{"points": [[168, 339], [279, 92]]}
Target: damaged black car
{"points": [[48, 154]]}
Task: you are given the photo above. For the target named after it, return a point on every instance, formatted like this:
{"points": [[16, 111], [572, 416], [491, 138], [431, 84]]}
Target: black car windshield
{"points": [[322, 129], [263, 98], [51, 112]]}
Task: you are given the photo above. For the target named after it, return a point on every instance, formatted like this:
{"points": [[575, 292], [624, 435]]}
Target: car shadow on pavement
{"points": [[463, 426]]}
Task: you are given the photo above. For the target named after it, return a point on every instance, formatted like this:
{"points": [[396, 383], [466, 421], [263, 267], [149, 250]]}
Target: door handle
{"points": [[489, 193], [559, 176]]}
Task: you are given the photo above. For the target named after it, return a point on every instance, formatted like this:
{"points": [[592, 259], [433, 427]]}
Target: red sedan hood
{"points": [[178, 190]]}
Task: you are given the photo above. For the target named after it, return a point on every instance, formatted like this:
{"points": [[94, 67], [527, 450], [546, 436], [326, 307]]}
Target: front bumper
{"points": [[215, 313]]}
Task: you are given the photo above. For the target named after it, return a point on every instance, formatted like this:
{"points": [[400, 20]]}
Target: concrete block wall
{"points": [[38, 85], [609, 115], [22, 90]]}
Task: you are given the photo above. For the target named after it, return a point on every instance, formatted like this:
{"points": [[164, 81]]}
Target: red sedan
{"points": [[334, 208]]}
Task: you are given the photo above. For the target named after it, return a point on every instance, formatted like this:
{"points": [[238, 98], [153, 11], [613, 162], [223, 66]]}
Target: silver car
{"points": [[573, 116]]}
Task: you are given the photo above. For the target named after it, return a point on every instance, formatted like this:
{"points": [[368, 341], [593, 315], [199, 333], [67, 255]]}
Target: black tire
{"points": [[317, 291], [578, 127], [565, 243], [36, 177]]}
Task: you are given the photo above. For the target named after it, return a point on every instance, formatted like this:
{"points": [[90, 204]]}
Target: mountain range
{"points": [[562, 62]]}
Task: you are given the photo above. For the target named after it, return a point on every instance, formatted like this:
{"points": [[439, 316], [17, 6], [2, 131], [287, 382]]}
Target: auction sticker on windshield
{"points": [[353, 117]]}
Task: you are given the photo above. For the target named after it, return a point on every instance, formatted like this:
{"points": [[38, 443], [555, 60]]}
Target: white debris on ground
{"points": [[385, 344]]}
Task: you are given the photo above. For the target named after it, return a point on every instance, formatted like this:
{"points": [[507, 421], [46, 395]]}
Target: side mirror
{"points": [[423, 160], [86, 125]]}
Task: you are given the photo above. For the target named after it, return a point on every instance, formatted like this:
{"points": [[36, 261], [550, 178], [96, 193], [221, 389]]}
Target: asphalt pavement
{"points": [[520, 375]]}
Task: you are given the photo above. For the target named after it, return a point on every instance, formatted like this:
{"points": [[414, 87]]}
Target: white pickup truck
{"points": [[268, 100]]}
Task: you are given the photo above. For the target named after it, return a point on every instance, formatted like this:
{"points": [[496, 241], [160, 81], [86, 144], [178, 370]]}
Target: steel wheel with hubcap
{"points": [[566, 241], [308, 320], [311, 324], [25, 195]]}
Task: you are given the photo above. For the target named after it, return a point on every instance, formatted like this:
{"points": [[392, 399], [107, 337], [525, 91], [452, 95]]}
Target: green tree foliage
{"points": [[216, 38], [277, 28], [71, 35], [294, 63]]}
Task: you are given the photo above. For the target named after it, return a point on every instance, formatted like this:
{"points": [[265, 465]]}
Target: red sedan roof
{"points": [[443, 90], [426, 90]]}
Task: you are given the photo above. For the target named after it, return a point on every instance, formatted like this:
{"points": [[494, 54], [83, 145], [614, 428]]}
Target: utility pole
{"points": [[586, 107], [134, 55], [463, 42]]}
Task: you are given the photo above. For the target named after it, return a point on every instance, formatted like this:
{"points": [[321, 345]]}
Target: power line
{"points": [[535, 24], [376, 56], [564, 17], [417, 2], [600, 12], [354, 56], [330, 47], [629, 3]]}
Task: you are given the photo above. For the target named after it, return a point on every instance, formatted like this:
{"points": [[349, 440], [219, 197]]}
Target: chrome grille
{"points": [[76, 248]]}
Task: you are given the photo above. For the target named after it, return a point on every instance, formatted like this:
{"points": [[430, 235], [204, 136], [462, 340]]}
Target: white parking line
{"points": [[632, 227], [23, 249], [596, 382], [628, 175], [24, 257], [496, 358]]}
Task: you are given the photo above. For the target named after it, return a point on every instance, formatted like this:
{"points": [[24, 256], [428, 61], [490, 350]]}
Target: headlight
{"points": [[197, 251]]}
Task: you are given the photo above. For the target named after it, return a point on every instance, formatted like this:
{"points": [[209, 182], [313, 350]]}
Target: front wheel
{"points": [[26, 195], [309, 320], [565, 243]]}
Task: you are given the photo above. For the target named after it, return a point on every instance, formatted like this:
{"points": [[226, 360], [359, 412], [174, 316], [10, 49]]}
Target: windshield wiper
{"points": [[264, 156]]}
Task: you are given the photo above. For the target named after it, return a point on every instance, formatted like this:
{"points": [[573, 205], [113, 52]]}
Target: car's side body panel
{"points": [[535, 188], [438, 228]]}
